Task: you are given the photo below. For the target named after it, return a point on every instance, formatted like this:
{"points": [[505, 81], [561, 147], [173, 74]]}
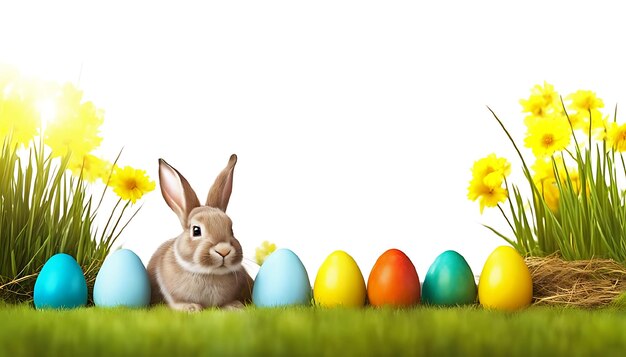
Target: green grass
{"points": [[311, 331]]}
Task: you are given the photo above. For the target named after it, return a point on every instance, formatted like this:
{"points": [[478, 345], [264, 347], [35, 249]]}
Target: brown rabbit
{"points": [[202, 266]]}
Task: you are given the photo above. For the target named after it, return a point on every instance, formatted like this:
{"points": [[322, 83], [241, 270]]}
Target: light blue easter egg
{"points": [[282, 280], [122, 281], [60, 284]]}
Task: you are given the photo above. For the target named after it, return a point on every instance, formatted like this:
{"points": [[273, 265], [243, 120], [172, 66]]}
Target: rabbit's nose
{"points": [[223, 251]]}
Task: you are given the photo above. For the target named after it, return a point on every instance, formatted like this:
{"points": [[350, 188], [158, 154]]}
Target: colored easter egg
{"points": [[505, 282], [393, 281], [339, 282], [282, 280], [449, 281], [122, 281], [60, 284]]}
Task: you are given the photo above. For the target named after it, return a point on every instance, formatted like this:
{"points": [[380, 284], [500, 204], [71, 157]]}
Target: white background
{"points": [[356, 123]]}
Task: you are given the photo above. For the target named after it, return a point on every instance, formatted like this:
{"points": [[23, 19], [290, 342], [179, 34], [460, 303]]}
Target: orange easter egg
{"points": [[393, 281]]}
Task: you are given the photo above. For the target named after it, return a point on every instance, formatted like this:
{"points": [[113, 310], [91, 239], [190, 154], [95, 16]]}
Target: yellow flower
{"points": [[486, 196], [263, 251], [616, 137], [491, 170], [76, 127], [131, 184], [545, 179], [550, 97], [579, 120], [91, 167], [488, 175], [536, 106], [543, 102], [543, 168], [550, 193], [589, 122], [585, 100], [19, 119], [548, 135], [574, 178]]}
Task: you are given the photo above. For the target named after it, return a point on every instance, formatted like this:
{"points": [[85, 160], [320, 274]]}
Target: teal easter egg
{"points": [[282, 280], [60, 284], [122, 281], [449, 281]]}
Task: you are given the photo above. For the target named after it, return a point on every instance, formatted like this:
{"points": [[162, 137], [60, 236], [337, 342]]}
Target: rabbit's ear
{"points": [[219, 194], [177, 192]]}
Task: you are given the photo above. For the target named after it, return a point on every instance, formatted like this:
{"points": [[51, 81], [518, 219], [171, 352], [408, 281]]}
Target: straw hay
{"points": [[578, 283]]}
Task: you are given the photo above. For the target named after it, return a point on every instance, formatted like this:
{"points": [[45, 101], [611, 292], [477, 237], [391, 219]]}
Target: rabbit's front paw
{"points": [[234, 305], [189, 307]]}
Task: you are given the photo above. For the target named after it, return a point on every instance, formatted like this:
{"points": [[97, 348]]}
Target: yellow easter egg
{"points": [[339, 282], [505, 282]]}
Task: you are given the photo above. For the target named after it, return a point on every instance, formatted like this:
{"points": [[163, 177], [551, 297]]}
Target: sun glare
{"points": [[47, 109], [7, 90]]}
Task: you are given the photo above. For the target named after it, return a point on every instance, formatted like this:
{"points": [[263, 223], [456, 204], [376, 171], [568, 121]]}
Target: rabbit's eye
{"points": [[196, 231]]}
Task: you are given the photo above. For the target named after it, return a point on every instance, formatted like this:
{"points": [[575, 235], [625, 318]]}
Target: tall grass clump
{"points": [[48, 176], [572, 202], [576, 204]]}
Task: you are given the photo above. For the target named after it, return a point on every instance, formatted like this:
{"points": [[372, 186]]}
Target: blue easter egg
{"points": [[282, 280], [449, 281], [122, 281], [61, 284]]}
